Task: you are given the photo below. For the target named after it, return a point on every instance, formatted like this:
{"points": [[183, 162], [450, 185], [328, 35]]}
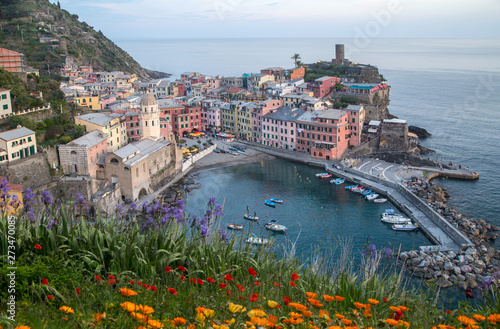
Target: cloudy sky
{"points": [[137, 19]]}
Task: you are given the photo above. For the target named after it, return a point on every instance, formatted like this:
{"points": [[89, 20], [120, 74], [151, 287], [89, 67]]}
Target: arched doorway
{"points": [[143, 193]]}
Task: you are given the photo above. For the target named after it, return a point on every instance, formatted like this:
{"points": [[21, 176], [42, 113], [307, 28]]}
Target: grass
{"points": [[183, 268]]}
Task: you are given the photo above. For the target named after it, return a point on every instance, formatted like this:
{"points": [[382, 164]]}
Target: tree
{"points": [[339, 86], [299, 64], [296, 58]]}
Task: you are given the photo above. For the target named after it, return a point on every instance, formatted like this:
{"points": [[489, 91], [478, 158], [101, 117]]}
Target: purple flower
{"points": [[164, 220], [133, 205], [31, 215], [372, 248], [80, 199], [223, 236], [47, 199]]}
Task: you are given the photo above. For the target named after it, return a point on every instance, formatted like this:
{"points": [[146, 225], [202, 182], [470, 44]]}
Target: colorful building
{"points": [[263, 108], [279, 128], [92, 102], [322, 86], [5, 102], [111, 126], [11, 61], [356, 116], [16, 144]]}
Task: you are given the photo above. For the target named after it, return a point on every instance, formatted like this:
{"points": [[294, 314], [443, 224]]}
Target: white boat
{"points": [[371, 196], [256, 240], [405, 227], [381, 200], [395, 219], [321, 174], [251, 217], [234, 226], [274, 226]]}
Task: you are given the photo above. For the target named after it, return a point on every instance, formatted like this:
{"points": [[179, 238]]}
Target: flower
{"points": [[478, 317], [252, 271], [286, 300], [403, 308], [37, 246], [493, 318], [192, 280], [297, 306], [235, 308], [311, 294], [111, 282], [98, 317], [66, 309], [181, 268], [210, 280], [200, 281], [257, 283], [180, 321], [272, 304], [254, 297], [359, 305], [78, 291], [127, 292], [111, 276], [200, 317], [132, 282], [315, 302], [394, 308], [98, 278], [183, 278], [129, 307], [172, 291], [228, 277], [339, 316], [292, 284], [208, 312], [307, 313], [276, 284], [465, 320], [228, 293], [338, 298], [295, 276], [328, 298], [373, 301], [222, 285], [168, 269], [391, 322], [385, 300], [45, 281], [146, 309], [155, 324], [346, 322], [50, 297], [153, 288], [23, 327]]}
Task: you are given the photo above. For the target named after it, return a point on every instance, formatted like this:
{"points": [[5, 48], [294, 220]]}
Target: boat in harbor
{"points": [[257, 241], [405, 227], [321, 174], [366, 192], [217, 151], [275, 200], [235, 226], [270, 203], [326, 176], [395, 219], [371, 197], [380, 200], [339, 181], [253, 217], [275, 227], [350, 187]]}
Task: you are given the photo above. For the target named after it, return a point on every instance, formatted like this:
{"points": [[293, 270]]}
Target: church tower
{"points": [[150, 118]]}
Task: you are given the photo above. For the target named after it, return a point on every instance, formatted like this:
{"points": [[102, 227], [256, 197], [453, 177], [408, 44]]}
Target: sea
{"points": [[448, 86]]}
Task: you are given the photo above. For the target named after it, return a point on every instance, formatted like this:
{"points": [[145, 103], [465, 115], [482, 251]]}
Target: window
{"points": [[137, 124], [353, 120], [4, 96], [330, 138], [29, 138], [137, 172], [132, 133], [5, 107]]}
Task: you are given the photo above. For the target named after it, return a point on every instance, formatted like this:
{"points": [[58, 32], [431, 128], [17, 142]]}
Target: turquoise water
{"points": [[315, 212]]}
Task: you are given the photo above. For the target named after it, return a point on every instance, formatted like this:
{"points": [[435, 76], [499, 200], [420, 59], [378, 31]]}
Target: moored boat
{"points": [[274, 226], [217, 151], [367, 192], [321, 174], [405, 227], [381, 200], [253, 217], [372, 196], [395, 219], [234, 226], [326, 176], [339, 181], [275, 200], [256, 240], [350, 187], [270, 203]]}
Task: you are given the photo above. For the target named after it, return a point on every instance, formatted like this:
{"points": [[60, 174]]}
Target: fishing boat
{"points": [[381, 200], [339, 181], [405, 227], [276, 200], [234, 226], [270, 203], [321, 174], [253, 217], [326, 176], [371, 197], [257, 241], [274, 226]]}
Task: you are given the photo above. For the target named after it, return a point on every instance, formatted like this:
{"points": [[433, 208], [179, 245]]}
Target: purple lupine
{"points": [[31, 215], [47, 199], [223, 236], [164, 220], [389, 253], [80, 199]]}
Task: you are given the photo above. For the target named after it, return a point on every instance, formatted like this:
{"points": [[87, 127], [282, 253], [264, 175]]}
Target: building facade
{"points": [[17, 144], [81, 155], [5, 102]]}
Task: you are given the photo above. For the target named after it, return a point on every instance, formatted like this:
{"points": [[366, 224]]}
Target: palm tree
{"points": [[295, 58], [299, 64]]}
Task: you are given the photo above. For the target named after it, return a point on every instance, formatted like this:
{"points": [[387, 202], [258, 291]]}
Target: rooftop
{"points": [[90, 139], [99, 119], [16, 133], [285, 113]]}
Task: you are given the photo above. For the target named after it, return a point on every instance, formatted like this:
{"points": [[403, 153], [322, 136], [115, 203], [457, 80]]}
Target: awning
{"points": [[372, 131]]}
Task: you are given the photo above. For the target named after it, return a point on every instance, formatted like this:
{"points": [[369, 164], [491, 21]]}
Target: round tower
{"points": [[339, 54], [150, 117]]}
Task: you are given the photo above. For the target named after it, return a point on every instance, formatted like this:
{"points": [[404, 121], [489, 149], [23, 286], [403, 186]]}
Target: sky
{"points": [[159, 19]]}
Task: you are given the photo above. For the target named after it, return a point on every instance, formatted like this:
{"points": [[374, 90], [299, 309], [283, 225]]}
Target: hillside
{"points": [[68, 41]]}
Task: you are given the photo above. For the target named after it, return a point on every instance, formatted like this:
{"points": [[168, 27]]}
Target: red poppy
{"points": [[200, 281], [228, 277], [292, 284], [449, 311], [278, 306], [111, 282], [286, 300], [183, 278], [78, 291], [139, 283], [144, 285], [172, 291], [153, 288], [45, 281], [222, 285], [50, 297], [386, 300], [209, 279], [254, 298], [192, 280], [295, 276], [239, 286], [168, 269], [276, 284], [39, 247], [252, 272], [468, 294], [148, 287], [228, 293], [111, 276], [98, 278], [182, 268], [257, 283], [132, 282], [241, 297]]}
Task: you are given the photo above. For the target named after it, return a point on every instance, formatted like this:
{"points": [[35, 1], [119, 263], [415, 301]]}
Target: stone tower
{"points": [[339, 54], [150, 118]]}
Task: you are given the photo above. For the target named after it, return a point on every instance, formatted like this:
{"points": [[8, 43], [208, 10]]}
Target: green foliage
{"points": [[54, 131], [349, 100], [318, 70]]}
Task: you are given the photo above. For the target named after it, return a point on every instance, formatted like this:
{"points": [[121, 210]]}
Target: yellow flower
{"points": [[200, 317], [272, 304], [257, 312], [129, 307], [180, 321], [478, 317], [311, 295], [98, 317], [235, 308], [466, 321], [222, 326], [373, 301], [127, 292], [66, 309], [209, 313], [230, 322], [155, 324]]}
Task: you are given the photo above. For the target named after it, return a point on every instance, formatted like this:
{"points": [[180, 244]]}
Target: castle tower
{"points": [[150, 117], [339, 54]]}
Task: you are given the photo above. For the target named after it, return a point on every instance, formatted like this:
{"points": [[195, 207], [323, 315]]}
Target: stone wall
{"points": [[28, 172], [394, 137], [365, 148], [52, 156], [163, 177]]}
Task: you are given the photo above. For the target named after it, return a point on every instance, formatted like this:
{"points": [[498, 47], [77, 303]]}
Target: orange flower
{"points": [[297, 306], [179, 321], [258, 321], [323, 313], [394, 308], [340, 316], [466, 321], [403, 308], [391, 322], [294, 315], [307, 313], [346, 322], [493, 318], [373, 301], [127, 292], [478, 317], [139, 316], [328, 298], [129, 307], [315, 302], [338, 298], [66, 309], [311, 295], [98, 317], [359, 305], [155, 324]]}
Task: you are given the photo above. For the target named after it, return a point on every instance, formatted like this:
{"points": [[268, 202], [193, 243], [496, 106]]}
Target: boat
{"points": [[350, 187], [326, 176], [333, 181], [356, 188], [405, 227], [339, 181], [274, 226], [381, 200], [270, 203], [395, 219], [371, 197], [256, 240], [367, 192], [321, 174], [253, 217], [217, 151], [234, 226], [276, 200]]}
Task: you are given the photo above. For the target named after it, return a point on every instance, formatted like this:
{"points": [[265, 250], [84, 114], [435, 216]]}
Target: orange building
{"points": [[298, 73], [11, 61]]}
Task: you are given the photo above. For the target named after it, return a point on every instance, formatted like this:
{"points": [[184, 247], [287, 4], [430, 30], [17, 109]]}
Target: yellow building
{"points": [[92, 102], [13, 198], [244, 115], [5, 102], [17, 144], [112, 126]]}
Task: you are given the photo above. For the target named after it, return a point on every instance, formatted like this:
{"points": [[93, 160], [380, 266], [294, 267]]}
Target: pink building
{"points": [[263, 108], [273, 71], [322, 86], [133, 125], [106, 100], [214, 82], [323, 134], [210, 114], [279, 128], [356, 117]]}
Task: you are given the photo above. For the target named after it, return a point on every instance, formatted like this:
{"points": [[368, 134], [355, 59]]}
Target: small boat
{"points": [[251, 217], [395, 219], [217, 151], [270, 203], [333, 181], [256, 240], [367, 192], [234, 226], [321, 174], [274, 226], [339, 181], [326, 176], [356, 188], [381, 200], [405, 227], [372, 196], [276, 200], [350, 187]]}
